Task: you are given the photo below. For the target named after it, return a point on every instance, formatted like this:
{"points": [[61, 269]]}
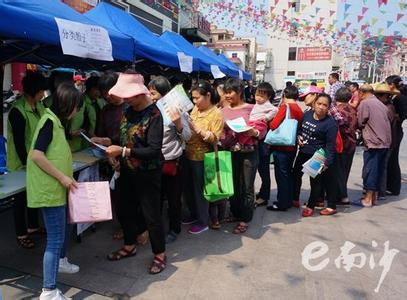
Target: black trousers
{"points": [[24, 217], [393, 167], [323, 182], [172, 191], [244, 173], [194, 189], [344, 165], [297, 173], [140, 207]]}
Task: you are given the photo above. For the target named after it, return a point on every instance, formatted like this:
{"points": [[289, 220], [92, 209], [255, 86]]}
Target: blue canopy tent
{"points": [[29, 33], [209, 52], [246, 75], [204, 61], [146, 44]]}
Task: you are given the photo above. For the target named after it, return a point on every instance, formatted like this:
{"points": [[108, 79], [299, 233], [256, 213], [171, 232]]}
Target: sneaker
{"points": [[188, 221], [54, 294], [197, 229], [171, 237], [66, 267]]}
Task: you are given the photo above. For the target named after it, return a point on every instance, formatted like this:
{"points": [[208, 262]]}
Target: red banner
{"points": [[314, 53]]}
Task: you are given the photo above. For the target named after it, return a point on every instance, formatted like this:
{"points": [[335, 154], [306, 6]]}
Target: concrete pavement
{"points": [[264, 263]]}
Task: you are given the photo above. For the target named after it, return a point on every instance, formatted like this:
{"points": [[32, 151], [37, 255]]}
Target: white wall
{"points": [[279, 42]]}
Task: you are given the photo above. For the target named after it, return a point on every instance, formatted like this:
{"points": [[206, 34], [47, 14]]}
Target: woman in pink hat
{"points": [[139, 153]]}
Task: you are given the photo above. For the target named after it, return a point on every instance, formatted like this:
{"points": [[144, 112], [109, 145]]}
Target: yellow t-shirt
{"points": [[210, 120]]}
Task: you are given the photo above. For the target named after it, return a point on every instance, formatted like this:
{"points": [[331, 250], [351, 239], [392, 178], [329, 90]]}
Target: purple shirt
{"points": [[374, 119]]}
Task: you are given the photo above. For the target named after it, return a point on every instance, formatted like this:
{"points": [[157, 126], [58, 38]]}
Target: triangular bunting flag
{"points": [[312, 2], [389, 23], [374, 20], [348, 24], [276, 2], [399, 16], [321, 19], [383, 11], [345, 16], [331, 13], [380, 31], [364, 10], [347, 6], [360, 18], [284, 11], [317, 9], [303, 6]]}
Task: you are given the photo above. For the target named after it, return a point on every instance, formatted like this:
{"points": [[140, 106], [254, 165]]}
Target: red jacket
{"points": [[295, 113]]}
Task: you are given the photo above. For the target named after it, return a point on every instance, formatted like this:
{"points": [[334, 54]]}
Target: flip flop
{"points": [[360, 204]]}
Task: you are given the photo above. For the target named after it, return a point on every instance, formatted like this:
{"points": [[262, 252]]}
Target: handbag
{"points": [[170, 167], [218, 177], [339, 142], [90, 202], [285, 134]]}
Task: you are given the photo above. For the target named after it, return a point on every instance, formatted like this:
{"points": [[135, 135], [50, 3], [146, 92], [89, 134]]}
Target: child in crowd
{"points": [[264, 111]]}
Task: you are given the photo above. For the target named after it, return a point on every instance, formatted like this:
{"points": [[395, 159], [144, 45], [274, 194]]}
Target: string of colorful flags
{"points": [[323, 28]]}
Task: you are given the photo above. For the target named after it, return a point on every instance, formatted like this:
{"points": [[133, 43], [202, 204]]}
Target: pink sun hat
{"points": [[310, 90], [129, 85]]}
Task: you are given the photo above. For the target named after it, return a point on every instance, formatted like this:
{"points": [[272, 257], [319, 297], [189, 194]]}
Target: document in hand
{"points": [[90, 202], [315, 164], [176, 99], [238, 125], [101, 147]]}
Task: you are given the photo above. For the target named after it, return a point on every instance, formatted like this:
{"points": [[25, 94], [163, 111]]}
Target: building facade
{"points": [[241, 51], [295, 59]]}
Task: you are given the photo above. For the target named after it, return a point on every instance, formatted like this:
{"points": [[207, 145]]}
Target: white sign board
{"points": [[240, 74], [83, 40], [216, 72], [185, 62]]}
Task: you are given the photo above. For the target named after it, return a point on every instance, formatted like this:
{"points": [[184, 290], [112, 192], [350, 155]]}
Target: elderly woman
{"points": [[244, 153], [141, 136]]}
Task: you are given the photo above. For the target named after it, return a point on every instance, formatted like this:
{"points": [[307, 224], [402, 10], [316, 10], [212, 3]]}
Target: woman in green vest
{"points": [[49, 178], [87, 117], [22, 121]]}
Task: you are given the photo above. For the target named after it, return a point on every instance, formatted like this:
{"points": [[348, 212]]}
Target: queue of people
{"points": [[154, 161]]}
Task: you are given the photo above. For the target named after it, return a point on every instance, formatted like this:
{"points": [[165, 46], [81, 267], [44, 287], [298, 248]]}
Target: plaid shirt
{"points": [[333, 111], [333, 89]]}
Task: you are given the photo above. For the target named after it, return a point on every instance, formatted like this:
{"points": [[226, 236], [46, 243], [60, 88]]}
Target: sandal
{"points": [[215, 225], [159, 264], [118, 235], [240, 228], [260, 202], [25, 242], [118, 255]]}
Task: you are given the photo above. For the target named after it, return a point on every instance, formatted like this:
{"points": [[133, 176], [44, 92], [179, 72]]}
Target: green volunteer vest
{"points": [[48, 101], [87, 110], [43, 190], [31, 121]]}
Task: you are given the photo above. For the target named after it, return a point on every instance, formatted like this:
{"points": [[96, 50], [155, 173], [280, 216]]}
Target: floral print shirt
{"points": [[142, 132]]}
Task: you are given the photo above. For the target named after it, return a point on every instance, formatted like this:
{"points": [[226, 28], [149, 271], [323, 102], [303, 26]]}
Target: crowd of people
{"points": [[153, 161]]}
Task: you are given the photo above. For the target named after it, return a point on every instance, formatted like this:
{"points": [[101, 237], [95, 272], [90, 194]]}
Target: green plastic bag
{"points": [[218, 177]]}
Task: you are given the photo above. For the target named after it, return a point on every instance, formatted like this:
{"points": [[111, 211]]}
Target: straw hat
{"points": [[383, 88], [129, 85]]}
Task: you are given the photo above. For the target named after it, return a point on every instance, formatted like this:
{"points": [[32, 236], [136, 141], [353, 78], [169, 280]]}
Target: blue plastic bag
{"points": [[3, 156], [285, 134]]}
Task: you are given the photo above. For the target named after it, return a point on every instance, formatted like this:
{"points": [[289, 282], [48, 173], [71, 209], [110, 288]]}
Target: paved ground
{"points": [[265, 263]]}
